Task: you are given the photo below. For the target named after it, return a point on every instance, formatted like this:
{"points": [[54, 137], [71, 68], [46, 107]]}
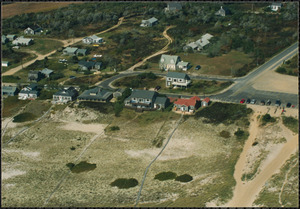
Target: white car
{"points": [[253, 101]]}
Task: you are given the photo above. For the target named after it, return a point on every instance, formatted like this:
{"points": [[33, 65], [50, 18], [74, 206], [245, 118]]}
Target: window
{"points": [[169, 79]]}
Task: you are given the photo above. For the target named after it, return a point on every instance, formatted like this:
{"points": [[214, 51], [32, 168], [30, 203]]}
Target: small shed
{"points": [[5, 63], [47, 72], [205, 102]]}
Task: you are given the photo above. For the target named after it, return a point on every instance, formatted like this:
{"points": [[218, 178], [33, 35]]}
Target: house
{"points": [[9, 90], [33, 30], [275, 6], [82, 52], [65, 95], [187, 105], [92, 40], [141, 99], [4, 39], [22, 41], [11, 37], [222, 12], [96, 95], [89, 65], [177, 79], [5, 63], [70, 51], [161, 103], [34, 76], [172, 62], [47, 72], [173, 6], [29, 92], [205, 102], [149, 23], [199, 44]]}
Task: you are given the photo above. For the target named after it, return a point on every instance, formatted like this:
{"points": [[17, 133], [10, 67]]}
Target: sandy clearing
{"points": [[74, 126], [11, 173], [294, 112], [272, 81], [28, 154]]}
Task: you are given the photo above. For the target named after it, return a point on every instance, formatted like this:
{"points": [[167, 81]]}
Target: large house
{"points": [[70, 51], [33, 30], [149, 23], [65, 95], [172, 62], [222, 12], [29, 92], [177, 79], [275, 6], [92, 40], [82, 52], [187, 105], [89, 65], [9, 90], [22, 41], [199, 44], [145, 100], [173, 6], [96, 95], [47, 72], [34, 76]]}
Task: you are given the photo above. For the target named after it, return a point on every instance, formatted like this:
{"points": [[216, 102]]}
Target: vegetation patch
{"points": [[114, 128], [225, 134], [158, 141], [290, 67], [11, 105], [184, 178], [105, 108], [241, 134], [291, 123], [163, 176], [224, 113], [267, 119], [83, 166], [10, 79], [23, 117], [123, 183]]}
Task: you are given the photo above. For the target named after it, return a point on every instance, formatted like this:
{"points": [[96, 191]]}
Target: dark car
{"points": [[277, 103], [157, 88], [248, 101], [288, 105], [269, 102], [262, 102], [197, 67]]}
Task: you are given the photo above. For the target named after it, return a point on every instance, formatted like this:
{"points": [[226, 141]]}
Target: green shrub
{"points": [[10, 79], [184, 178], [281, 70], [70, 165], [291, 123], [23, 117], [123, 183], [225, 134], [81, 167], [267, 119], [114, 128], [163, 176], [72, 148], [240, 134]]}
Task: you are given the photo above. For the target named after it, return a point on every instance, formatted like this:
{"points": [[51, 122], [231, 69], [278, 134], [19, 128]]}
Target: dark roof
{"points": [[89, 64], [29, 92], [9, 89], [276, 4], [95, 93], [33, 86], [35, 27], [82, 51], [178, 75], [71, 91], [161, 100], [174, 5], [33, 72], [142, 94]]}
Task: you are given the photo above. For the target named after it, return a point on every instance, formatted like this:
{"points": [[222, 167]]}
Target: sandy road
{"points": [[65, 43], [245, 193]]}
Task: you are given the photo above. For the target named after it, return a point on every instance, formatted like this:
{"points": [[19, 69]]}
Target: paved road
{"points": [[242, 87]]}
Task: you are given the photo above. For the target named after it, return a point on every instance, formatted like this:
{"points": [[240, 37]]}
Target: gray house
{"points": [[33, 30], [4, 40], [199, 44], [70, 51], [177, 79], [173, 6], [93, 66], [11, 37], [161, 103], [65, 95], [149, 23], [141, 99], [92, 40], [96, 95], [222, 12], [82, 52], [9, 90], [172, 62], [29, 92], [34, 76], [22, 41], [47, 72]]}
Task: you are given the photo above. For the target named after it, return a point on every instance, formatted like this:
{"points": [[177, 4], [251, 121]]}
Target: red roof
{"points": [[206, 100], [172, 99], [188, 102]]}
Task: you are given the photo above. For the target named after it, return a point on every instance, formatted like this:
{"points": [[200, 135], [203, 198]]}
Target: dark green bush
{"points": [[281, 70], [240, 134], [114, 128], [81, 167], [23, 117], [225, 134], [267, 118], [163, 176], [123, 183], [184, 178]]}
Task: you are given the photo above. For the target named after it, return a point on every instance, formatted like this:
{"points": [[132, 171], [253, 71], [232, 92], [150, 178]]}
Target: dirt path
{"points": [[65, 43], [246, 192]]}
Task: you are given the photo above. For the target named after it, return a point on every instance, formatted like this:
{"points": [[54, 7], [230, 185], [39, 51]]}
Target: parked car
{"points": [[262, 102], [242, 101], [268, 102], [248, 101], [157, 88], [277, 103], [197, 67], [253, 101], [288, 105]]}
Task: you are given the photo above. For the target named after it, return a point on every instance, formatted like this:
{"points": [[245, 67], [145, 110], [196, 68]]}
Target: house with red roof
{"points": [[205, 102], [187, 105]]}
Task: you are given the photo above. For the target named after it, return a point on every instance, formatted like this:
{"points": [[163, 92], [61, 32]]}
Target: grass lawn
{"points": [[43, 46], [11, 105]]}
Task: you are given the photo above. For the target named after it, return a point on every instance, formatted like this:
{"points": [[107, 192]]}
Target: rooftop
{"points": [[142, 94], [178, 75], [188, 102], [95, 93]]}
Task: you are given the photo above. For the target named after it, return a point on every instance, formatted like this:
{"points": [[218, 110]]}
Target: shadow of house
{"points": [[34, 76]]}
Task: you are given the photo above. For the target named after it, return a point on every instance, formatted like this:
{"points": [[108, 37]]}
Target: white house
{"points": [[5, 63], [275, 6], [92, 40], [29, 92], [177, 79], [22, 41]]}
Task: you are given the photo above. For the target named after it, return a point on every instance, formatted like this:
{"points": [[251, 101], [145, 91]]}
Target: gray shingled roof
{"points": [[82, 51], [142, 94], [70, 49], [95, 93], [178, 75], [161, 100], [69, 92], [47, 71], [9, 89], [169, 58], [152, 20]]}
